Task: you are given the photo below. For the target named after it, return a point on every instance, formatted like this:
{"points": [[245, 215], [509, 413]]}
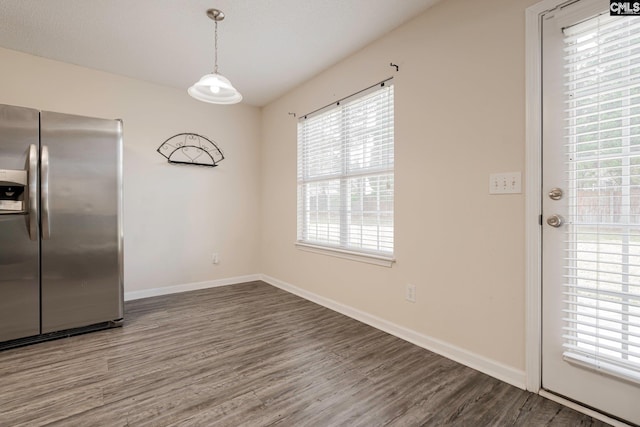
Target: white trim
{"points": [[533, 193], [577, 407], [346, 254], [533, 206], [490, 367], [166, 290]]}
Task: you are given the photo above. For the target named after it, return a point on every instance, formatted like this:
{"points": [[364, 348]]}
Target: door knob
{"points": [[555, 221]]}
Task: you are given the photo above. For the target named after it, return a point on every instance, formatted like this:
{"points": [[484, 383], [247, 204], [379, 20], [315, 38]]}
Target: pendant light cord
{"points": [[215, 43]]}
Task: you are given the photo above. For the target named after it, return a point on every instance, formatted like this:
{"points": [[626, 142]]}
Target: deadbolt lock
{"points": [[555, 194]]}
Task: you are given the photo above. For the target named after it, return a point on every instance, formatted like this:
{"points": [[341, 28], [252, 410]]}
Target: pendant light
{"points": [[214, 87]]}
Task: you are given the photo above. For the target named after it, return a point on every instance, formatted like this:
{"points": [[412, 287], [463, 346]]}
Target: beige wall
{"points": [[459, 117], [460, 109], [174, 216]]}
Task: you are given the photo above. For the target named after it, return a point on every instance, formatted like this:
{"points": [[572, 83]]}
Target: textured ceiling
{"points": [[265, 47]]}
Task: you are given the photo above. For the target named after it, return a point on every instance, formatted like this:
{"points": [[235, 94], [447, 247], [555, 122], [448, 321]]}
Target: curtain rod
{"points": [[346, 97]]}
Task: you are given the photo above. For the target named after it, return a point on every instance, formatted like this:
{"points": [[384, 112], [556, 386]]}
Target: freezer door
{"points": [[19, 254], [81, 200]]}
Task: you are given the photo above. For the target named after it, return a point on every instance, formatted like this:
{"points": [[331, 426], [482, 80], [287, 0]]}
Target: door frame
{"points": [[533, 189], [533, 208]]}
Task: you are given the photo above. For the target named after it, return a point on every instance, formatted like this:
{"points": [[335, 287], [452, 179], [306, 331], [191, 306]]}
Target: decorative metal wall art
{"points": [[191, 149]]}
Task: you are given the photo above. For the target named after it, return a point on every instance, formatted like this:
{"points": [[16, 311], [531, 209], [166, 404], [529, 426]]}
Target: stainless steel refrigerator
{"points": [[61, 246]]}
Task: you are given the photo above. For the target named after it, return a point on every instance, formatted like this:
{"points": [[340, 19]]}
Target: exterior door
{"points": [[591, 207], [81, 238], [19, 240]]}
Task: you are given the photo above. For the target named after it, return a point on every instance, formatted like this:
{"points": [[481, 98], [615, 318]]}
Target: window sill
{"points": [[380, 260]]}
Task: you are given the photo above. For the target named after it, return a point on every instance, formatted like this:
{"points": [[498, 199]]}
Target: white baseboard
{"points": [[166, 290], [490, 367]]}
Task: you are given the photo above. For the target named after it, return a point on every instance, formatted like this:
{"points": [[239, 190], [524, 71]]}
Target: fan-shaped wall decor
{"points": [[191, 149]]}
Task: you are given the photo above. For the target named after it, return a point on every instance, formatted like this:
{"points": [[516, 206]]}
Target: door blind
{"points": [[345, 174], [602, 246]]}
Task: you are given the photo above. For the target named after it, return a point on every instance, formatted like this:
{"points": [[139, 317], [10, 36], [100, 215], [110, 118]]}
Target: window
{"points": [[345, 175], [602, 289]]}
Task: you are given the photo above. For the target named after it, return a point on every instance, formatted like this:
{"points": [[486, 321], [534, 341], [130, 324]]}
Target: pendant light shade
{"points": [[214, 87]]}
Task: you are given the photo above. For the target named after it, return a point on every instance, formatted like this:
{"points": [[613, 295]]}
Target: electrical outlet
{"points": [[505, 183], [410, 293], [215, 259]]}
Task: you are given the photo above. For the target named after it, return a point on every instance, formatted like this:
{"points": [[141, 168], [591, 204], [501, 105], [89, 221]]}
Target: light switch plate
{"points": [[505, 183]]}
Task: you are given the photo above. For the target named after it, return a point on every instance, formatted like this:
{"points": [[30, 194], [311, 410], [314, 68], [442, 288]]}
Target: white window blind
{"points": [[602, 262], [345, 174]]}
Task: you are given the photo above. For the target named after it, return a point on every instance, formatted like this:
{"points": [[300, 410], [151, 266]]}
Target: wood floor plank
{"points": [[253, 355]]}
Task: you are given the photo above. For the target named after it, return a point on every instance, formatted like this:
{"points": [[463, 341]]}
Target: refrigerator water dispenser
{"points": [[12, 191]]}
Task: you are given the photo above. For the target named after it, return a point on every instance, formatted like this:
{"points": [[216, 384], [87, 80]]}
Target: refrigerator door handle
{"points": [[44, 192], [33, 192]]}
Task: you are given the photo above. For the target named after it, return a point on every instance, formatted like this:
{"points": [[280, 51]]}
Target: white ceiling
{"points": [[265, 47]]}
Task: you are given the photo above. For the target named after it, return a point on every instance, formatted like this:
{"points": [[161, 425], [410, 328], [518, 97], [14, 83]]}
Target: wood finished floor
{"points": [[253, 355]]}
